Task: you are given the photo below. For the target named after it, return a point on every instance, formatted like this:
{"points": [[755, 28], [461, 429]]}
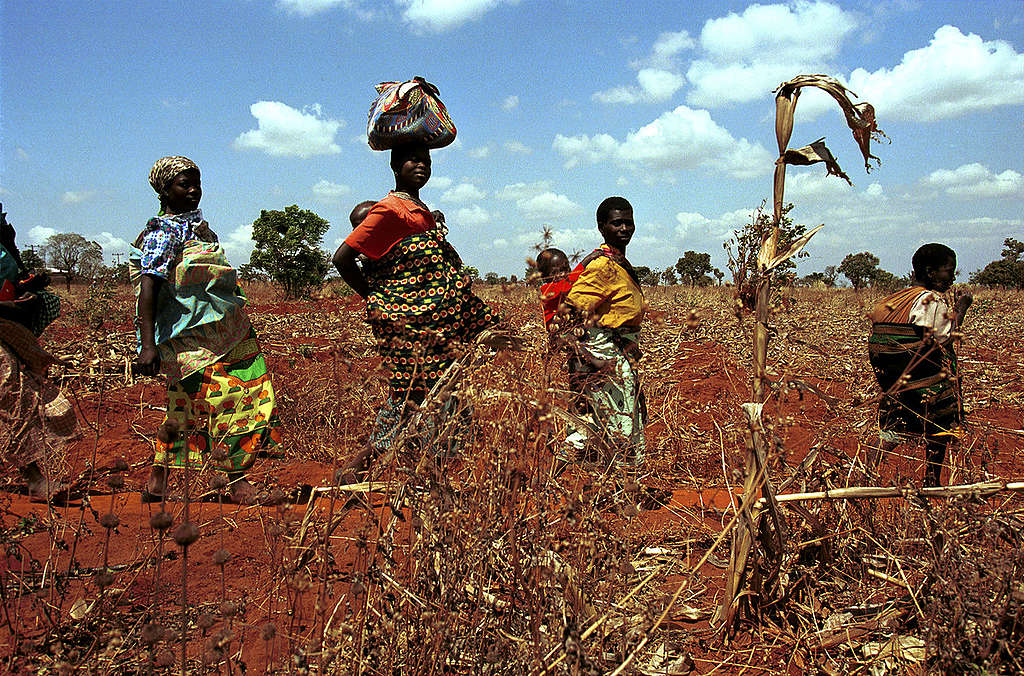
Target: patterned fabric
{"points": [[419, 304], [46, 313], [166, 168], [607, 287], [453, 422], [915, 364], [163, 241], [230, 405], [612, 392], [200, 316], [408, 112], [929, 400], [35, 418]]}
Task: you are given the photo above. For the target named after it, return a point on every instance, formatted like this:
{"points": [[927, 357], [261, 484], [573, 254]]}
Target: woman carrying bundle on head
{"points": [[418, 302], [191, 326]]}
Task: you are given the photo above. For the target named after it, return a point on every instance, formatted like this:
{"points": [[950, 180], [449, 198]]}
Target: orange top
{"points": [[554, 292], [389, 222]]}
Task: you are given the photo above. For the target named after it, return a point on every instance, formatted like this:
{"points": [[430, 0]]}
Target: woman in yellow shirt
{"points": [[607, 294]]}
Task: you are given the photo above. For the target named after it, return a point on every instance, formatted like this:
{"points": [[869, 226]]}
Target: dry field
{"points": [[493, 563]]}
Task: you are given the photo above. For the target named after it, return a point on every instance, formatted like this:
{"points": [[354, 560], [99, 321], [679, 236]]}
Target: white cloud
{"points": [[441, 15], [440, 182], [500, 242], [518, 191], [691, 226], [517, 148], [548, 206], [471, 216], [745, 56], [585, 149], [326, 191], [954, 75], [567, 239], [668, 46], [976, 180], [658, 76], [22, 154], [310, 7], [627, 95], [659, 85], [510, 103], [238, 244], [537, 201], [77, 196], [111, 243], [463, 193], [480, 153], [286, 131], [874, 190], [808, 183], [679, 139], [40, 233]]}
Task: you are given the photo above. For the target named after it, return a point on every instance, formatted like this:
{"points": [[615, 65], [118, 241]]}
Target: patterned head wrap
{"points": [[166, 168]]}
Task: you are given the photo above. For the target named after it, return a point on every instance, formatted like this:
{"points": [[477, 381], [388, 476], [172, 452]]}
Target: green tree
{"points": [[491, 278], [32, 260], [471, 272], [812, 279], [247, 273], [886, 281], [1007, 271], [115, 274], [646, 276], [288, 249], [747, 244], [73, 255], [859, 268], [831, 275], [694, 268], [668, 276]]}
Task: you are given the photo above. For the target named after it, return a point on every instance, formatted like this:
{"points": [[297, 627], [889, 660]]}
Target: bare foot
{"points": [[242, 492]]}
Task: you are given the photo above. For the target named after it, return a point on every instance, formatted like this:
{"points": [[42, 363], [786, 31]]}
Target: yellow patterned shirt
{"points": [[605, 289]]}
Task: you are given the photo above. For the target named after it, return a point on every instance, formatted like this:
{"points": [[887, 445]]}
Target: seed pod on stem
{"points": [[186, 533]]}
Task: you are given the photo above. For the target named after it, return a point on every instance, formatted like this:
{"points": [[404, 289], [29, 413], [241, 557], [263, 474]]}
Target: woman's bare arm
{"points": [[148, 361], [344, 260]]}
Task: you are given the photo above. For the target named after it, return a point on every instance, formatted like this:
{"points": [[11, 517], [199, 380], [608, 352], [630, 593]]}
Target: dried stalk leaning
{"points": [[861, 120]]}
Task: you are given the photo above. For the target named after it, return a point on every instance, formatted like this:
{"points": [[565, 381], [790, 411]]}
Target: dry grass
{"points": [[493, 562]]}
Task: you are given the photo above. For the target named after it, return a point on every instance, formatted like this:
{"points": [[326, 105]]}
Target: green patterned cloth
{"points": [[920, 380], [612, 392]]}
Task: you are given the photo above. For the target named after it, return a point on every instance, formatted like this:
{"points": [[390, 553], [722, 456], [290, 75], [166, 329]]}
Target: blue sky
{"points": [[558, 105]]}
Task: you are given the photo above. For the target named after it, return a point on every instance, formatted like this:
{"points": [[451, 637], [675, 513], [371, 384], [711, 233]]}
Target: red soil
{"points": [[708, 380]]}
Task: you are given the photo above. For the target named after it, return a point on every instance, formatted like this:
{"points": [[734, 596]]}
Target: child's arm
{"points": [[345, 261], [148, 361]]}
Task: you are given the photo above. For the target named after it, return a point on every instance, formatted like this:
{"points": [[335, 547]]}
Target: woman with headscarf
{"points": [[191, 326], [418, 302]]}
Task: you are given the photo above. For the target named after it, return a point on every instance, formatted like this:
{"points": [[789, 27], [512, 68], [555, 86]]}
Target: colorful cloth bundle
{"points": [[408, 112], [200, 314]]}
